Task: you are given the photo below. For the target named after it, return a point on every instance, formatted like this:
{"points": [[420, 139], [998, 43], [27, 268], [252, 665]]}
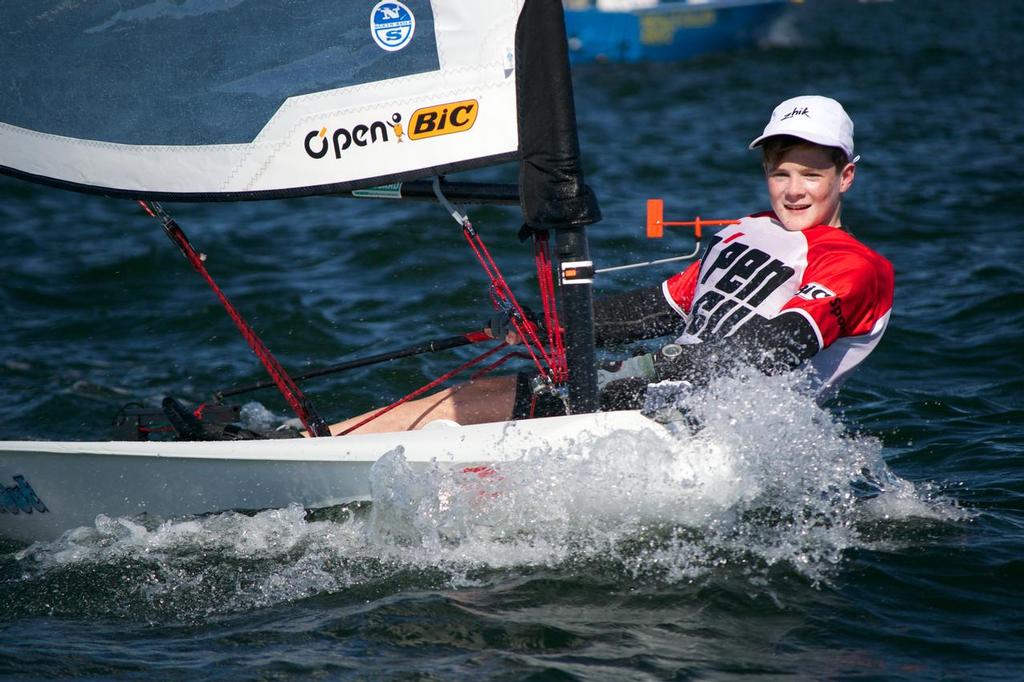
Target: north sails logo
{"points": [[392, 25], [20, 498], [797, 111]]}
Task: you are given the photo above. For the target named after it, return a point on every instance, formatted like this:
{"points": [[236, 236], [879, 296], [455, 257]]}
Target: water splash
{"points": [[770, 480]]}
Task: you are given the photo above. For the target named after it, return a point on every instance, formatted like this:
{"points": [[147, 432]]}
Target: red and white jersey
{"points": [[757, 268]]}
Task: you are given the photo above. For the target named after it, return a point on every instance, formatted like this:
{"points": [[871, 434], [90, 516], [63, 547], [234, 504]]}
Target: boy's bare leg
{"points": [[489, 399]]}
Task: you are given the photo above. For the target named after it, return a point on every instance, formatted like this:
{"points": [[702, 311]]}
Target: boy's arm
{"points": [[633, 316]]}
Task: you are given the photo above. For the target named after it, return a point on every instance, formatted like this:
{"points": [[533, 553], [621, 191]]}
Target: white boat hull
{"points": [[47, 488]]}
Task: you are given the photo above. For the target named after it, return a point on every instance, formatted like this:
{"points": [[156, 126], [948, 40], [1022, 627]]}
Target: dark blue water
{"points": [[599, 567]]}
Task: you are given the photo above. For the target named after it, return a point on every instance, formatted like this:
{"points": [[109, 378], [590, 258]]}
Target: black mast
{"points": [[552, 192]]}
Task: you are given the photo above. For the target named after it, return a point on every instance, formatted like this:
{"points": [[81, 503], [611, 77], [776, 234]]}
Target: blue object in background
{"points": [[667, 31]]}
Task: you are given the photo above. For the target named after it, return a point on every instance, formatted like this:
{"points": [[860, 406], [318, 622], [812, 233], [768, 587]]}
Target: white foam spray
{"points": [[768, 480]]}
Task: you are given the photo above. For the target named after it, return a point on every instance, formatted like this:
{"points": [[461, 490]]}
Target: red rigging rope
{"points": [[551, 362], [423, 389], [302, 407], [503, 298], [546, 282], [497, 363]]}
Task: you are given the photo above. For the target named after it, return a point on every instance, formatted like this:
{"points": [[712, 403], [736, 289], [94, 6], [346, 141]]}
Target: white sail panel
{"points": [[265, 130]]}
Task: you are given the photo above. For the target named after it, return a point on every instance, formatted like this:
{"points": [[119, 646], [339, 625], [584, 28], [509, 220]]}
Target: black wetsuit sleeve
{"points": [[773, 346], [633, 316]]}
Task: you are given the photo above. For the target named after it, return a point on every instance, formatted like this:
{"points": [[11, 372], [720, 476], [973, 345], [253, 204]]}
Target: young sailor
{"points": [[779, 290]]}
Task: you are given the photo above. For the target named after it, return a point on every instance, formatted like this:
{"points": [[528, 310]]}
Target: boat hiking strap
{"points": [[550, 366], [301, 405]]}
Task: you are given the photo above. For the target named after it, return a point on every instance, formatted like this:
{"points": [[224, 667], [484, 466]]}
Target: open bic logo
{"points": [[442, 119], [392, 25]]}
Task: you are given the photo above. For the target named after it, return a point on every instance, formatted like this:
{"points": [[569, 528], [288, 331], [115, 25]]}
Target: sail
{"points": [[238, 99], [221, 100]]}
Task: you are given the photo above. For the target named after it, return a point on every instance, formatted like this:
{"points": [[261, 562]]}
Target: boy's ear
{"points": [[846, 176]]}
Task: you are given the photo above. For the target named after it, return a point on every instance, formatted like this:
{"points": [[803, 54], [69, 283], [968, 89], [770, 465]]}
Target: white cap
{"points": [[817, 119]]}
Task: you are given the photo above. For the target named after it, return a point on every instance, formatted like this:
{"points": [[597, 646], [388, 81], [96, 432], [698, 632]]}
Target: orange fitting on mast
{"points": [[656, 222], [655, 218]]}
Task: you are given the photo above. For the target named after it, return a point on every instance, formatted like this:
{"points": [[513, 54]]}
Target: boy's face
{"points": [[806, 189]]}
